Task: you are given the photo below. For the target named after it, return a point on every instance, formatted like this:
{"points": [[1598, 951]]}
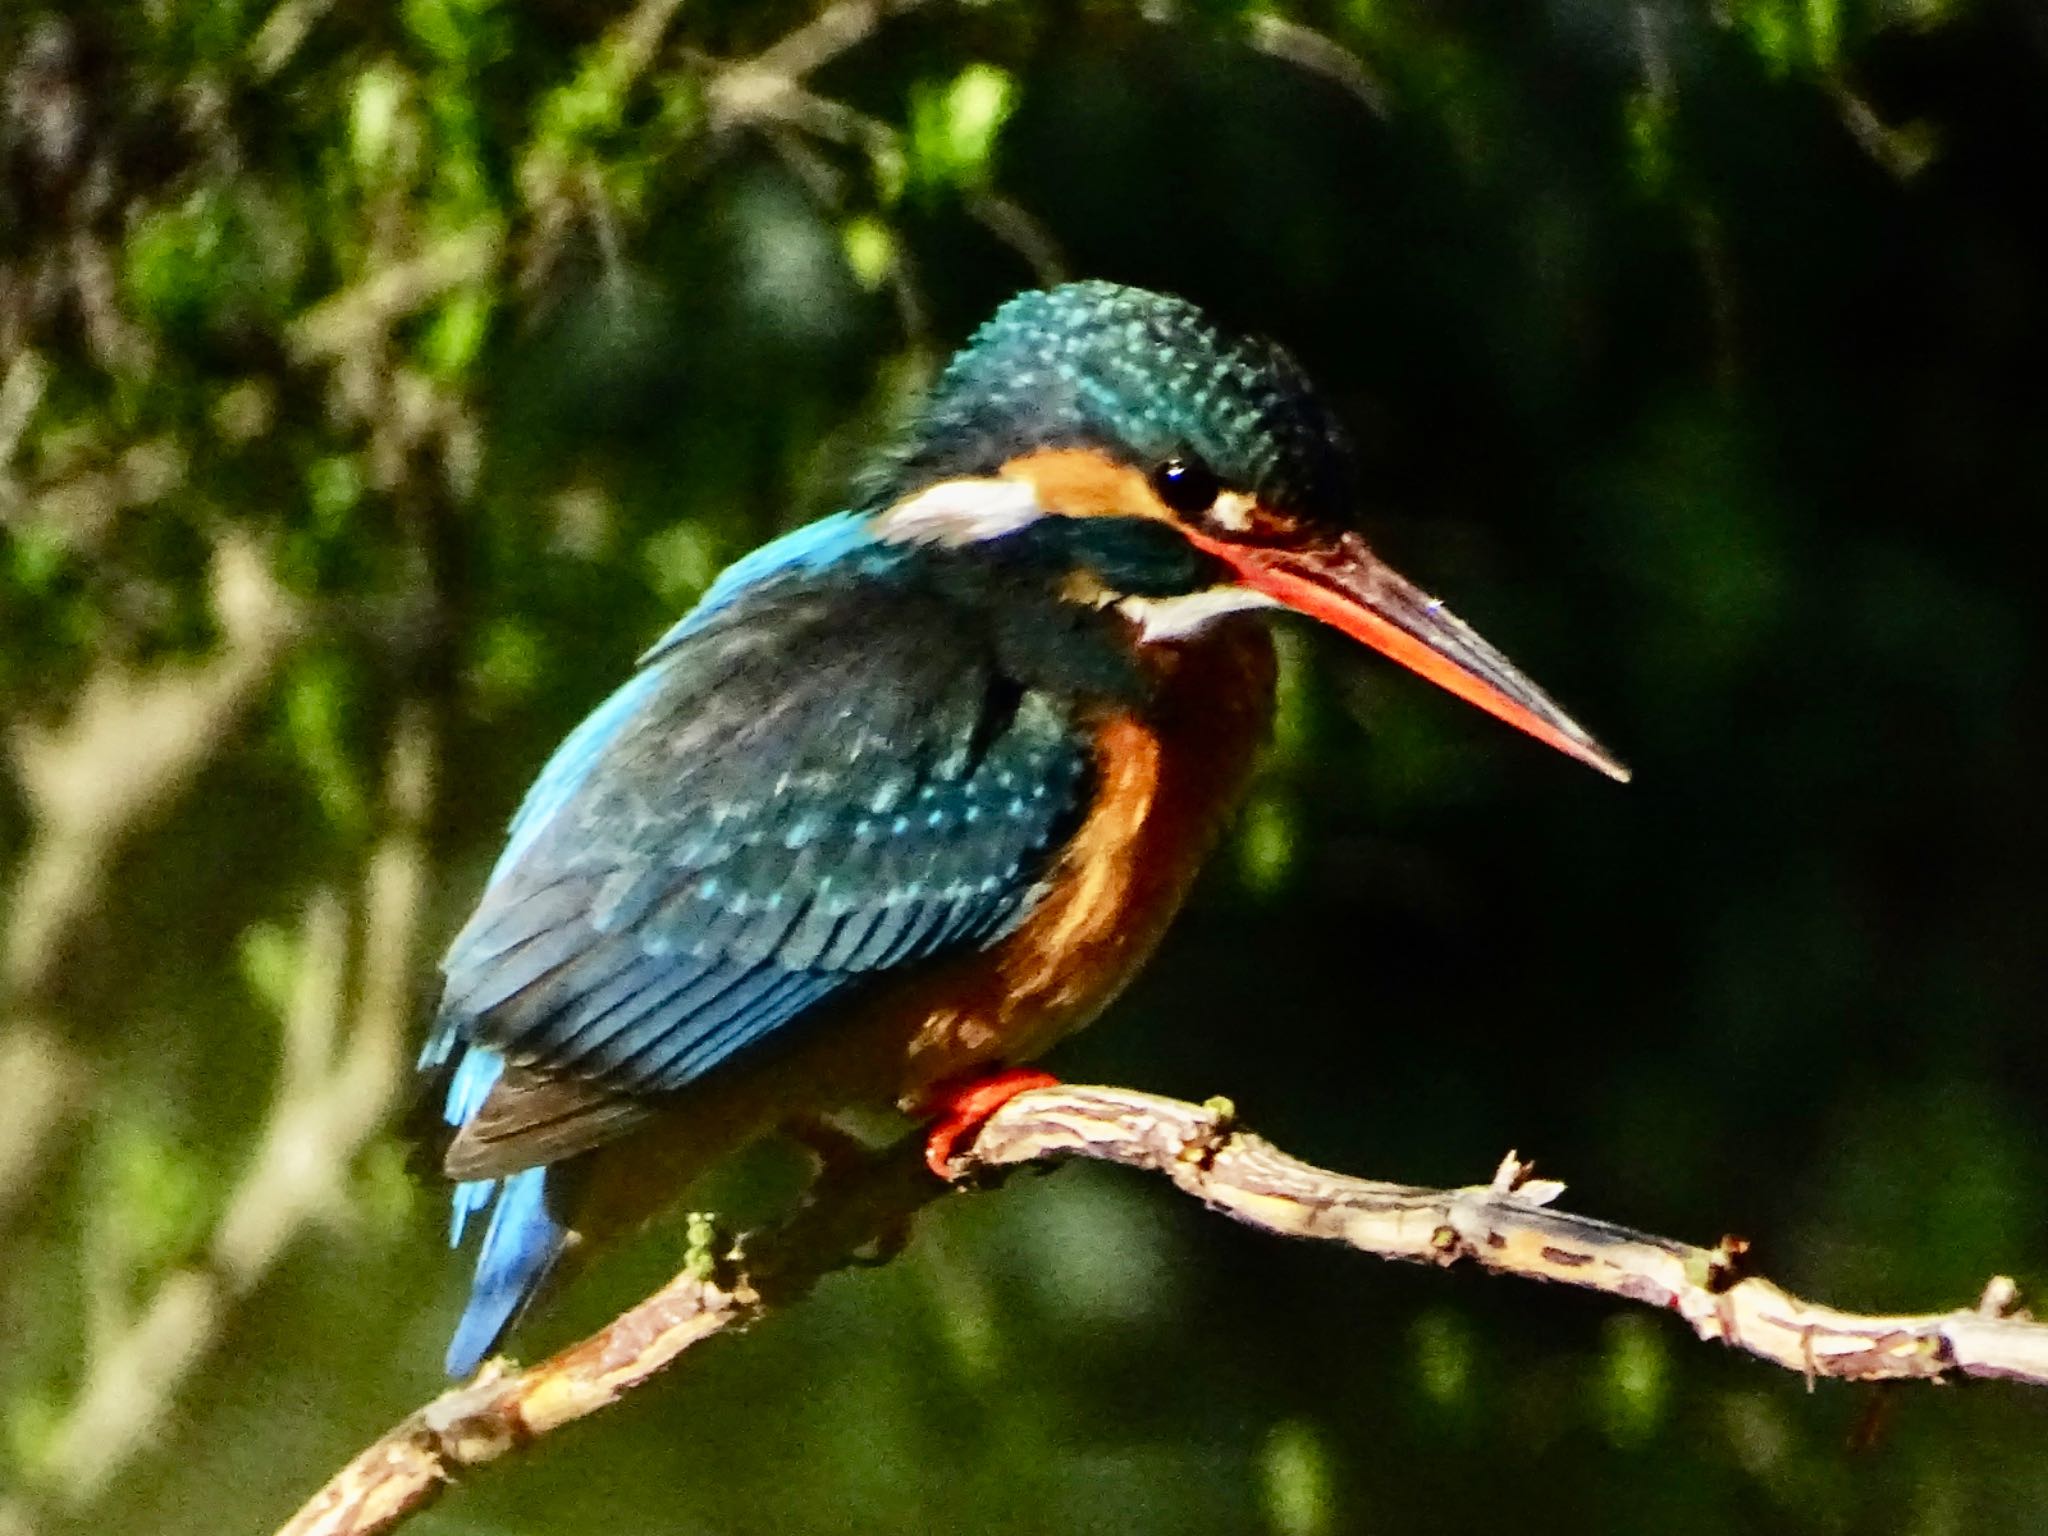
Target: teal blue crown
{"points": [[1142, 376]]}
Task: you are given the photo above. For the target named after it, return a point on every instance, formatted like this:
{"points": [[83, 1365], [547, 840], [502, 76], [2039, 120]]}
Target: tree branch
{"points": [[1506, 1225], [342, 1069], [134, 739]]}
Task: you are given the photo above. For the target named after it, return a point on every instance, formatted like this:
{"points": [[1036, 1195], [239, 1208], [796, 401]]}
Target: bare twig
{"points": [[1703, 225], [42, 1088], [768, 87], [352, 318], [1506, 1225], [832, 32], [21, 391], [1022, 231], [283, 31], [1903, 153], [1319, 54]]}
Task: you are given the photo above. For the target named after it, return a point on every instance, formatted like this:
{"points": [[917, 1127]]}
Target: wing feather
{"points": [[818, 778]]}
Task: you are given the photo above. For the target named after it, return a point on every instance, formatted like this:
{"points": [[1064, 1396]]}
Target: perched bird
{"points": [[913, 791]]}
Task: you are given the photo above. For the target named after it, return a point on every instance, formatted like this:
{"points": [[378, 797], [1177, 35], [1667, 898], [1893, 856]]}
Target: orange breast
{"points": [[1167, 779]]}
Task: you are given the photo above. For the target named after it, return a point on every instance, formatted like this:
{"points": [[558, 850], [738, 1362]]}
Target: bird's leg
{"points": [[837, 1152], [841, 1158], [963, 1105]]}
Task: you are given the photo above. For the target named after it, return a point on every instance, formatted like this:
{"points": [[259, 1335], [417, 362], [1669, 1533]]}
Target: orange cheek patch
{"points": [[1075, 482]]}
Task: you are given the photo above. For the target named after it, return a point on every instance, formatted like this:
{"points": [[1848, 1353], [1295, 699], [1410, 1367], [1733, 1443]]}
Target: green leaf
{"points": [[269, 961], [218, 259], [1773, 31], [463, 34], [1445, 1358], [681, 561], [316, 699], [1265, 844], [1298, 1473], [383, 125], [38, 558], [456, 335], [207, 32], [334, 489], [1824, 33], [953, 130], [1635, 1379], [870, 251], [155, 1207], [171, 262], [35, 1418], [510, 659], [1647, 119]]}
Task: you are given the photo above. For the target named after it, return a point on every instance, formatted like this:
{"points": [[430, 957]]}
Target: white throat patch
{"points": [[1173, 618], [955, 513]]}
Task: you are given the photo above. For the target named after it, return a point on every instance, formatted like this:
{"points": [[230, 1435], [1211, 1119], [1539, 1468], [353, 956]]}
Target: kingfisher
{"points": [[913, 791]]}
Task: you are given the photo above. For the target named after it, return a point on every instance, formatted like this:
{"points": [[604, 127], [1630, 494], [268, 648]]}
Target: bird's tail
{"points": [[520, 1246], [525, 1236]]}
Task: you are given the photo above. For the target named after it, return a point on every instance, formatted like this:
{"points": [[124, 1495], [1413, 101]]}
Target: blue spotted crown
{"points": [[1142, 376]]}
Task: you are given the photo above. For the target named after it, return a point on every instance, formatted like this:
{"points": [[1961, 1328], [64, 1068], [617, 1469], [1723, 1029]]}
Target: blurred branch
{"points": [[755, 88], [21, 391], [1022, 231], [131, 742], [767, 94], [1505, 1225], [1903, 152], [282, 33], [42, 1086], [1319, 54], [1703, 225], [354, 319], [335, 1089]]}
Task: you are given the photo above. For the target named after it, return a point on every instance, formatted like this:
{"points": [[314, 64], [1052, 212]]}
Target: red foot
{"points": [[964, 1105]]}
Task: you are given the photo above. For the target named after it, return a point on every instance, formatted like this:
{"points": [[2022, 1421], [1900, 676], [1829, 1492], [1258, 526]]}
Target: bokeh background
{"points": [[376, 381]]}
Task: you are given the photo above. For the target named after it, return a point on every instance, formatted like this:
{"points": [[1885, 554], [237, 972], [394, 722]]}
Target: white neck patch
{"points": [[954, 513], [957, 512], [1173, 618]]}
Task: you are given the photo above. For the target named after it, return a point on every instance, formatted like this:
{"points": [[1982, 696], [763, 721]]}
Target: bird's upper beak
{"points": [[1340, 581]]}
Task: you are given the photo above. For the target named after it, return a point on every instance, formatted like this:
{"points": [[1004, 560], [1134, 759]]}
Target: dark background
{"points": [[1696, 355]]}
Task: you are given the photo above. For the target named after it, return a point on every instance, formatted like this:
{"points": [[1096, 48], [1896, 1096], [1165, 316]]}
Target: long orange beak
{"points": [[1343, 583]]}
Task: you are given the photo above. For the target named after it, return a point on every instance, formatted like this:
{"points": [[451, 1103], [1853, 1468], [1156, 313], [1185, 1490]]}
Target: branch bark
{"points": [[1506, 1225]]}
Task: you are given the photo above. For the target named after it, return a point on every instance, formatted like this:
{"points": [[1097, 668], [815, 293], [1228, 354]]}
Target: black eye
{"points": [[1186, 486]]}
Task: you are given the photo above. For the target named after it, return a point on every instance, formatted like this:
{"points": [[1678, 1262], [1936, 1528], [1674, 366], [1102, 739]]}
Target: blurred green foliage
{"points": [[1695, 353]]}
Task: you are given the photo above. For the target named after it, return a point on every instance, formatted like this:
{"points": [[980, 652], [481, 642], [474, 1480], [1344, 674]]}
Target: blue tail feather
{"points": [[470, 1196], [523, 1239], [520, 1247]]}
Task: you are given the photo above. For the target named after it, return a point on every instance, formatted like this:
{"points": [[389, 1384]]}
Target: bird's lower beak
{"points": [[1343, 583]]}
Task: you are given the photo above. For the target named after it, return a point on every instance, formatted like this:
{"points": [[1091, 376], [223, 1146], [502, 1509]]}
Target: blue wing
{"points": [[829, 769], [825, 772]]}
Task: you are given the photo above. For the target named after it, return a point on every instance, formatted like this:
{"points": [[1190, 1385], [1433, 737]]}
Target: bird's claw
{"points": [[964, 1106]]}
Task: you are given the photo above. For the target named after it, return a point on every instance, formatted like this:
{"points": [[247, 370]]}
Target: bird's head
{"points": [[1201, 467]]}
